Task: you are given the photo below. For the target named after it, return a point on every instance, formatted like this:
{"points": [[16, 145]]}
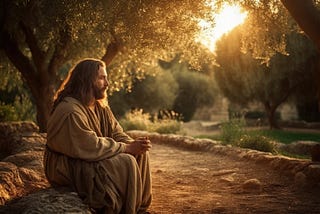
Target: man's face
{"points": [[101, 84]]}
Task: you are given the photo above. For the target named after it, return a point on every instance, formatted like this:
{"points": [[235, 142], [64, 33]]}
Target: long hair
{"points": [[79, 83]]}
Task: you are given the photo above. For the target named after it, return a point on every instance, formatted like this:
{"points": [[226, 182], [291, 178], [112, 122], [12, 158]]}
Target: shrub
{"points": [[256, 142], [196, 90], [137, 120], [166, 126], [232, 130], [7, 113]]}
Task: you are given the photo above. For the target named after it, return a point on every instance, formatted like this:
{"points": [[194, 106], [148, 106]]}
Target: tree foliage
{"points": [[176, 88], [195, 88], [152, 94], [15, 103], [266, 25], [41, 37], [245, 79]]}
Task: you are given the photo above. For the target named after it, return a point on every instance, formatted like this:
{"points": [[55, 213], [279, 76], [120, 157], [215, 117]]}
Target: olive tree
{"points": [[42, 37], [243, 79]]}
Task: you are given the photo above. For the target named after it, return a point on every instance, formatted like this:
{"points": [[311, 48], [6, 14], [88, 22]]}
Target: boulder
{"points": [[300, 147], [50, 201], [23, 185], [21, 167]]}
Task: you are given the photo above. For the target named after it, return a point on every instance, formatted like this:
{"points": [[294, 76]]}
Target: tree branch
{"points": [[112, 50], [31, 40], [307, 16], [59, 54], [20, 61]]}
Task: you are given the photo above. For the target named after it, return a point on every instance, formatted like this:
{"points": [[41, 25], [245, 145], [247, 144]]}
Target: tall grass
{"points": [[137, 120], [282, 136], [232, 130]]}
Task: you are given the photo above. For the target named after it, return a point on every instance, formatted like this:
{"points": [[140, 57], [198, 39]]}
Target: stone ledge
{"points": [[22, 173], [50, 201], [285, 165]]}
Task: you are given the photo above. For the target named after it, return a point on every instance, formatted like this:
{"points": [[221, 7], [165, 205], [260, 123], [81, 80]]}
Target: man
{"points": [[88, 150]]}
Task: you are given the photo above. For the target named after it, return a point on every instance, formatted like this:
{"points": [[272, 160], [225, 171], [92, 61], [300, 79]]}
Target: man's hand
{"points": [[138, 146]]}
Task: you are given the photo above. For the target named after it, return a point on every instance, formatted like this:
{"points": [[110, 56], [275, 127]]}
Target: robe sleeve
{"points": [[117, 131], [76, 139]]}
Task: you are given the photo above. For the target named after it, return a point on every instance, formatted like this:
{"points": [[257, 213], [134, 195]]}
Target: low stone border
{"points": [[304, 172], [21, 171], [49, 201]]}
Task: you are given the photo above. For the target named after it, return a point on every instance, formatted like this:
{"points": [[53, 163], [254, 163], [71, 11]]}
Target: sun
{"points": [[228, 18]]}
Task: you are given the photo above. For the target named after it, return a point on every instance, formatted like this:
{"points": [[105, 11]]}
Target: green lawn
{"points": [[287, 137], [282, 136]]}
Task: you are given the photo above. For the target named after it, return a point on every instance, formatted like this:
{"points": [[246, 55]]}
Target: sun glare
{"points": [[229, 17]]}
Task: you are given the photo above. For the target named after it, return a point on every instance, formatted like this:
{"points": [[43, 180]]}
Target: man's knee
{"points": [[128, 159]]}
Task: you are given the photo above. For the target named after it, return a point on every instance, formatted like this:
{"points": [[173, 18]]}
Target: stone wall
{"points": [[21, 169], [23, 185]]}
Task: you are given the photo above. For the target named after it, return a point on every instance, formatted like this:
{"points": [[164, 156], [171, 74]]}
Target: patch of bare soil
{"points": [[187, 181]]}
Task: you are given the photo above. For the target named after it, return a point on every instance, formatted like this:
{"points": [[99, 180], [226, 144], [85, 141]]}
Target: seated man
{"points": [[88, 150]]}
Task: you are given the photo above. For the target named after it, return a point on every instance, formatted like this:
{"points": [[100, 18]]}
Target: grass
{"points": [[282, 136], [287, 137], [294, 155], [137, 120]]}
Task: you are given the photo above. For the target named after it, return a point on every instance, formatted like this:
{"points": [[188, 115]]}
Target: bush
{"points": [[7, 113], [166, 126], [196, 90], [256, 142], [232, 130], [137, 120]]}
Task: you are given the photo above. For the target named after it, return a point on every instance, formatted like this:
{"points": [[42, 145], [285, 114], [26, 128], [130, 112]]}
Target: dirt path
{"points": [[201, 182]]}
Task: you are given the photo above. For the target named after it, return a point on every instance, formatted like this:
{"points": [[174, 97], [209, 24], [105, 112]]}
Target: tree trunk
{"points": [[44, 103], [112, 50], [307, 16], [271, 113]]}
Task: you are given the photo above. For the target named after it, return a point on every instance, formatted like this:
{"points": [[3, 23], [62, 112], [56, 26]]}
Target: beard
{"points": [[99, 93]]}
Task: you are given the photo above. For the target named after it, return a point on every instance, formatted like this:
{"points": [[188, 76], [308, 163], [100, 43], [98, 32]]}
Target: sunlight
{"points": [[229, 17]]}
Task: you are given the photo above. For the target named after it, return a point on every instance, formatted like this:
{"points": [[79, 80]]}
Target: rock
{"points": [[21, 162], [228, 180], [51, 200], [300, 147], [300, 179], [315, 153], [7, 128], [18, 137], [313, 174], [252, 185], [10, 182], [284, 165], [22, 175]]}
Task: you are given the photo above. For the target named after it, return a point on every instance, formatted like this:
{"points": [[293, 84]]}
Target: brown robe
{"points": [[85, 150]]}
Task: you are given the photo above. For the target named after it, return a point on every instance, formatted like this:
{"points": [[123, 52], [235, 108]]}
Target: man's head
{"points": [[100, 84], [86, 81]]}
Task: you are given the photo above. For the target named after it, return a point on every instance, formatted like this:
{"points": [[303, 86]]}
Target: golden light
{"points": [[229, 17]]}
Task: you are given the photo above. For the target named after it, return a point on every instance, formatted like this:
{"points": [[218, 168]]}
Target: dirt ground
{"points": [[201, 182]]}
